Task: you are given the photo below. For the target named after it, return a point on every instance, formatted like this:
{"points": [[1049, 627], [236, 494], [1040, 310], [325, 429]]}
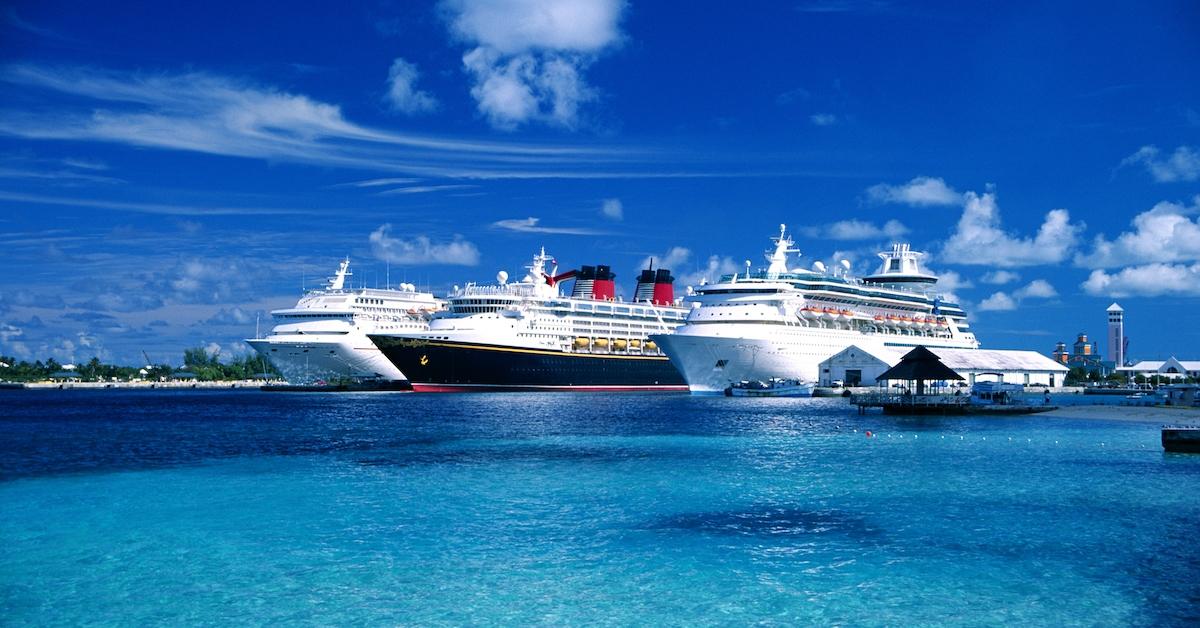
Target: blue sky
{"points": [[168, 174]]}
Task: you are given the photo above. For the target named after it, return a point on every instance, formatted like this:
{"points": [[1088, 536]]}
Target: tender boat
{"points": [[774, 387]]}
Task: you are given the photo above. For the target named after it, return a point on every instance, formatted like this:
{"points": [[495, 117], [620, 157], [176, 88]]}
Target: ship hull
{"points": [[727, 354], [330, 358], [449, 366]]}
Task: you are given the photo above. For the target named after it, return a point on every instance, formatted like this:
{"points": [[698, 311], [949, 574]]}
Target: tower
{"points": [[1116, 334]]}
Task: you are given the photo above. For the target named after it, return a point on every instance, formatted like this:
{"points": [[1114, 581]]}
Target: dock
{"points": [[895, 403], [1184, 440]]}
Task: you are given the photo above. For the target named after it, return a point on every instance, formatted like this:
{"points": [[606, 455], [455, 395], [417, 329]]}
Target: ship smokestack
{"points": [[645, 287], [604, 287], [664, 287], [584, 282]]}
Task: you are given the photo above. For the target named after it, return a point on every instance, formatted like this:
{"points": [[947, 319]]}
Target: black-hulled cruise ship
{"points": [[527, 335]]}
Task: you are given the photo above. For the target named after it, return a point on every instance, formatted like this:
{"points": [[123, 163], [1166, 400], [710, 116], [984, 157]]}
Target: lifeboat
{"points": [[809, 312], [635, 343], [600, 342], [620, 343], [650, 346], [582, 342], [845, 314]]}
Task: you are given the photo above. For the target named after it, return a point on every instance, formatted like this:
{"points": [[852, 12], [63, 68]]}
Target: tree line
{"points": [[197, 362]]}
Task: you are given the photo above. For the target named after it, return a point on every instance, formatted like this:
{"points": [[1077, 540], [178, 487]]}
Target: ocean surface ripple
{"points": [[206, 507]]}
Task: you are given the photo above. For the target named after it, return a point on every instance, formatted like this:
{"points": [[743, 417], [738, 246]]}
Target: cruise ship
{"points": [[324, 337], [528, 335], [782, 322]]}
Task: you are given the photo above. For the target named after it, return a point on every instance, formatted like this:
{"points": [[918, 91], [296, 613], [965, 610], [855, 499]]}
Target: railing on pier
{"points": [[915, 402]]}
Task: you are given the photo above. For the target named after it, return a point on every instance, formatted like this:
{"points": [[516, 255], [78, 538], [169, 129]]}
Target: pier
{"points": [[896, 403]]}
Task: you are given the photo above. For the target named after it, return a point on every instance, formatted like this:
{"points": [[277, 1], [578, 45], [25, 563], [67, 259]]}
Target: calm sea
{"points": [[172, 508]]}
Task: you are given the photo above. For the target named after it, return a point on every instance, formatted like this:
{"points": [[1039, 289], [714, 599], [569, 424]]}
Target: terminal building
{"points": [[855, 366]]}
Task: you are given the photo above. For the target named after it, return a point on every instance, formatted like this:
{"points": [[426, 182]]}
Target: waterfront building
{"points": [[859, 366], [1171, 368]]}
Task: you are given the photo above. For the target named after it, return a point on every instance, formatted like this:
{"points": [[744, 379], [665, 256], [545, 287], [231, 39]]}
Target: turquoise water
{"points": [[218, 507]]}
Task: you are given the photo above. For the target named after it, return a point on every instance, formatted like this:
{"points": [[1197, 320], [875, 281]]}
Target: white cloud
{"points": [[920, 192], [676, 259], [979, 239], [402, 94], [1000, 277], [1164, 233], [421, 250], [1002, 301], [613, 209], [857, 230], [823, 119], [1182, 165], [532, 225], [9, 332], [1036, 289], [1149, 280], [529, 55], [949, 283], [516, 26], [998, 302]]}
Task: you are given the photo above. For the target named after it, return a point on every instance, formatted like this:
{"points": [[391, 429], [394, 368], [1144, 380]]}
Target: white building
{"points": [[1172, 368], [1116, 334], [855, 366]]}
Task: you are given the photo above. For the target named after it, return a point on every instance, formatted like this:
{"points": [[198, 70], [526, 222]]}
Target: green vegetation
{"points": [[206, 367]]}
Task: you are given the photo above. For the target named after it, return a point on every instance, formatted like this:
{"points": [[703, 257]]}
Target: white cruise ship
{"points": [[324, 337], [528, 335], [782, 322]]}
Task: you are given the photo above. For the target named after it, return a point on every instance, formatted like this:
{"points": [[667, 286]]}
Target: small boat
{"points": [[774, 387]]}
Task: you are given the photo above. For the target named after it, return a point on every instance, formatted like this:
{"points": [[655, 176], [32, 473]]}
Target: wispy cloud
{"points": [[612, 209], [212, 114], [59, 176], [1000, 277], [823, 119], [1181, 165], [403, 95], [421, 249], [1002, 301], [844, 6], [422, 189], [857, 230], [532, 225], [151, 208], [920, 192]]}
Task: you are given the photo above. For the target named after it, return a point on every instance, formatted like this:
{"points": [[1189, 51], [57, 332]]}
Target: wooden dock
{"points": [[895, 403]]}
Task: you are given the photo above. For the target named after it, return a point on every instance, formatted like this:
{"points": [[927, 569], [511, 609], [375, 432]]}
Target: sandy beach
{"points": [[1164, 415]]}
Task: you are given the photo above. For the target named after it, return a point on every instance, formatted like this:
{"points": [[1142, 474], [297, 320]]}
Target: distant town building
{"points": [[1116, 334], [1083, 354], [1172, 368]]}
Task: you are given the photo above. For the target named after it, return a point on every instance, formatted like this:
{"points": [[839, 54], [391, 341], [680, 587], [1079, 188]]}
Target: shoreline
{"points": [[1137, 414]]}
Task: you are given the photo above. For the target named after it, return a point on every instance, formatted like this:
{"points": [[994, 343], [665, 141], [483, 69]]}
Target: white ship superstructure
{"points": [[782, 322], [324, 336], [528, 335]]}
